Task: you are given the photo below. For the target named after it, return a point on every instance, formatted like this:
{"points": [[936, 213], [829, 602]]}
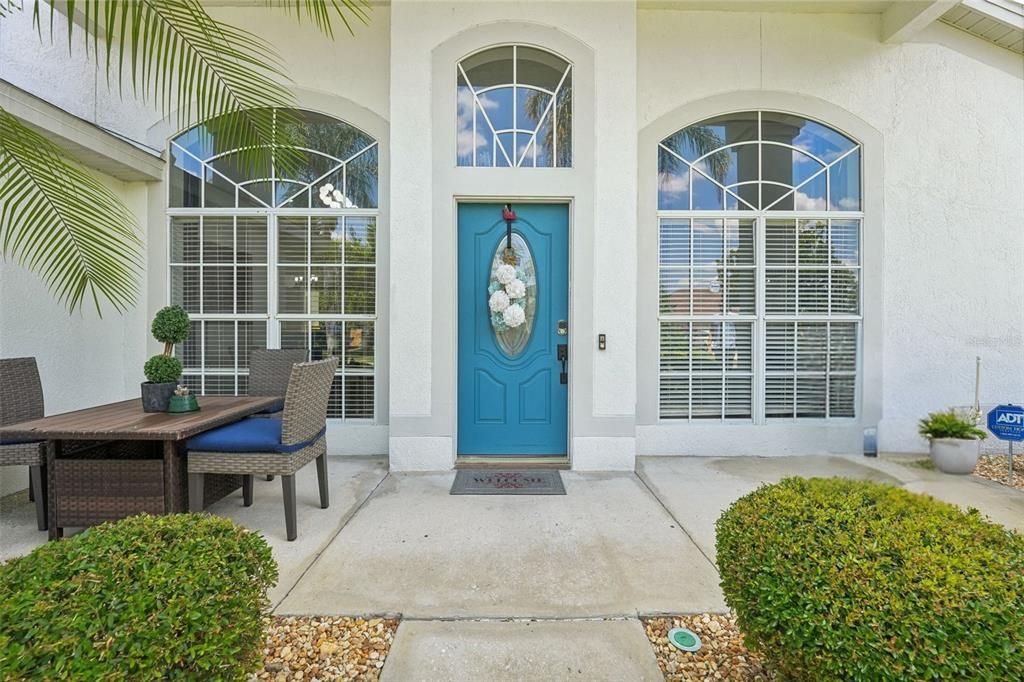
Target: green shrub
{"points": [[147, 598], [833, 579], [162, 369], [949, 424], [171, 325]]}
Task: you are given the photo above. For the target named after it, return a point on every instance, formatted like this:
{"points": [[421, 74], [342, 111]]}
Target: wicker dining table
{"points": [[110, 461]]}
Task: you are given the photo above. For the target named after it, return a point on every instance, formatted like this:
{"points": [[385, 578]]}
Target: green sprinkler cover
{"points": [[684, 639]]}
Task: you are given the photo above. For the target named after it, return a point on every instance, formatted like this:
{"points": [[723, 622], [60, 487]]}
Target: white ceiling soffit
{"points": [[998, 21], [91, 145], [903, 20]]}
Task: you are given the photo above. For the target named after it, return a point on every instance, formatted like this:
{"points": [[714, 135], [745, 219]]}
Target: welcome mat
{"points": [[508, 482]]}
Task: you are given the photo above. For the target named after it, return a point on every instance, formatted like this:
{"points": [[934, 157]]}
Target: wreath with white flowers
{"points": [[507, 294]]}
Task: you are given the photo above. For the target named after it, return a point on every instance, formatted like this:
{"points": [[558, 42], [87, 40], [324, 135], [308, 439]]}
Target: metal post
{"points": [[1009, 481]]}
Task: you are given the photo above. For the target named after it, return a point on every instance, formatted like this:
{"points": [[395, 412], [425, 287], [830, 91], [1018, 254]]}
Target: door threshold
{"points": [[510, 462]]}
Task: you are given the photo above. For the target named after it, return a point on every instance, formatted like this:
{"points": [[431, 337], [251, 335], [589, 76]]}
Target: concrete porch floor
{"points": [[518, 587]]}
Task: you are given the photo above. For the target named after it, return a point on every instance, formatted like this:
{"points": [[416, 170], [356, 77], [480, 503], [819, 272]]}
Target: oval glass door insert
{"points": [[512, 295]]}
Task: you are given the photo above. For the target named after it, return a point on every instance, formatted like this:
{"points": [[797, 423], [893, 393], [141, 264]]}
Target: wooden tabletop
{"points": [[126, 420]]}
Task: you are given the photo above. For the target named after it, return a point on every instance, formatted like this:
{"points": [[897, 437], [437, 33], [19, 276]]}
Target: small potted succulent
{"points": [[170, 326], [955, 441], [183, 401]]}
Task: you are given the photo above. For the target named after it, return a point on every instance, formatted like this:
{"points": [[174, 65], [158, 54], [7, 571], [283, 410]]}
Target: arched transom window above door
{"points": [[514, 108]]}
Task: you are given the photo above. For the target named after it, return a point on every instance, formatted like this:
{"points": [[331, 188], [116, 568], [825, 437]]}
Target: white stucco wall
{"points": [[65, 75], [83, 360], [352, 66], [355, 66], [950, 109]]}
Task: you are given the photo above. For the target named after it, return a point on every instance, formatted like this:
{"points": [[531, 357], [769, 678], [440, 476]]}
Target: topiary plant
{"points": [[833, 579], [949, 424], [162, 369], [178, 597], [171, 325]]}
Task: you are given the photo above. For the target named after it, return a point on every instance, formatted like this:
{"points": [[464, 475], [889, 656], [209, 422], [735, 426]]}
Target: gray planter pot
{"points": [[955, 455], [156, 397]]}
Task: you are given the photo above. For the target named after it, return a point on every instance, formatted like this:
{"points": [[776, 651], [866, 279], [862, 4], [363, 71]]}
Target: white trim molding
{"points": [[90, 144]]}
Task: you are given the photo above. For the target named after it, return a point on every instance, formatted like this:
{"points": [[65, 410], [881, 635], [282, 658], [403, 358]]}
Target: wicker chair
{"points": [[21, 399], [269, 371], [257, 446]]}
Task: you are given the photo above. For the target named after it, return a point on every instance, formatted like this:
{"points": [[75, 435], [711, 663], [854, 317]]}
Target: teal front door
{"points": [[513, 330]]}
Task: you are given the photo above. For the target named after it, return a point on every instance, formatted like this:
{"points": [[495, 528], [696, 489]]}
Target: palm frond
{"points": [[703, 140], [8, 6], [60, 222], [173, 54], [322, 12]]}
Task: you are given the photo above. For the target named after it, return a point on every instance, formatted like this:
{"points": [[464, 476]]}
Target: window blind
{"points": [[707, 304]]}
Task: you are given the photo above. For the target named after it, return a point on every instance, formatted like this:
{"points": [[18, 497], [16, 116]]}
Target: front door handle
{"points": [[563, 357]]}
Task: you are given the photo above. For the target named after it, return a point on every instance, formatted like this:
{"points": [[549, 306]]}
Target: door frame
{"points": [[454, 272]]}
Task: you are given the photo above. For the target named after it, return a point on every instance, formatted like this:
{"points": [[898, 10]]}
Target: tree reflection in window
{"points": [[514, 108]]}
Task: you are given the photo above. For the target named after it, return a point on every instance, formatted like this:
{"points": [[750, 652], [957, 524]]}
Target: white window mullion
{"points": [[760, 137], [796, 366], [691, 269], [202, 266], [725, 362], [273, 323], [828, 325], [758, 353], [234, 294], [515, 106], [309, 268]]}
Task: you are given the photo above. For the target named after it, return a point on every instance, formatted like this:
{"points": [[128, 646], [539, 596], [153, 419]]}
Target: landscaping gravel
{"points": [[315, 649], [997, 468], [722, 655]]}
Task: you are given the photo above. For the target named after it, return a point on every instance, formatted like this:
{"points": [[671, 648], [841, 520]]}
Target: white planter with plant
{"points": [[955, 441]]}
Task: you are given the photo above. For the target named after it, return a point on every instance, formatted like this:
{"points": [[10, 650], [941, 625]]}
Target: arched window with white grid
{"points": [[260, 257], [760, 276]]}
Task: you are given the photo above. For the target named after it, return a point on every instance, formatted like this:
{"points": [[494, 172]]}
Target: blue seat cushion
{"points": [[18, 441], [249, 435]]}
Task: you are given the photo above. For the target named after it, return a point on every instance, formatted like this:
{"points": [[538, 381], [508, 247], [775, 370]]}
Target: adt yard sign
{"points": [[1006, 422]]}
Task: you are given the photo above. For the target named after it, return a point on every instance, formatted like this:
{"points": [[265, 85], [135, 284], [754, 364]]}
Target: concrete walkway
{"points": [[527, 587], [352, 479], [606, 548], [428, 651]]}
